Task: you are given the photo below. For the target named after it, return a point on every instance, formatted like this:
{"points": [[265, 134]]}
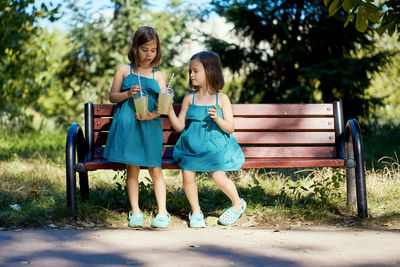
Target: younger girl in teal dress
{"points": [[206, 143], [137, 140]]}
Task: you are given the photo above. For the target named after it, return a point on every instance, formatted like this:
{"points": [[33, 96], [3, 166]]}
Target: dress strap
{"points": [[194, 93], [153, 73], [217, 98], [130, 68]]}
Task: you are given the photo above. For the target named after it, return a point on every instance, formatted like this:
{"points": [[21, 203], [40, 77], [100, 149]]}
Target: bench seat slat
{"points": [[292, 162], [103, 164], [261, 152], [250, 163]]}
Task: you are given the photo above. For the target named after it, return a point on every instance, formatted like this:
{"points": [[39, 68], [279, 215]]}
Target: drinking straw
{"points": [[139, 78], [169, 84]]}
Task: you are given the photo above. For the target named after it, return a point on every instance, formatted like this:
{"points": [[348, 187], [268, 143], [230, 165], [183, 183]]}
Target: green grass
{"points": [[28, 144], [32, 175]]}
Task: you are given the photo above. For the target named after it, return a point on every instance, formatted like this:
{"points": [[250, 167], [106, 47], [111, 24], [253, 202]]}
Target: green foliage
{"points": [[386, 85], [387, 14], [100, 45], [297, 53], [320, 193], [23, 53]]}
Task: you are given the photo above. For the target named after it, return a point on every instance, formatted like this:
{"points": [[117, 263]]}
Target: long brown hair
{"points": [[143, 35], [213, 68]]}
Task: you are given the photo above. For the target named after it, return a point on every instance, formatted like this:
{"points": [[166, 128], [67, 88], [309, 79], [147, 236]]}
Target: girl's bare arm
{"points": [[116, 95], [178, 123]]}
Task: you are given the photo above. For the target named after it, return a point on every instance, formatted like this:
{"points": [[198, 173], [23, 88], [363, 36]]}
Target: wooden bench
{"points": [[271, 136]]}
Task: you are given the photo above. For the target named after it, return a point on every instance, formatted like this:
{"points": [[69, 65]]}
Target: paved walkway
{"points": [[213, 246]]}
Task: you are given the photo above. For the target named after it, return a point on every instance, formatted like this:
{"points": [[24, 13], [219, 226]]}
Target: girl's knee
{"points": [[155, 171], [156, 174], [188, 176]]}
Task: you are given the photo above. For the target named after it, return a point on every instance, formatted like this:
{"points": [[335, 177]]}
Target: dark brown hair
{"points": [[143, 35], [213, 68]]}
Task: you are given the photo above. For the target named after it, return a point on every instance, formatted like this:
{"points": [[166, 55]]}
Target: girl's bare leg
{"points": [[132, 187], [160, 189], [191, 191], [228, 187]]}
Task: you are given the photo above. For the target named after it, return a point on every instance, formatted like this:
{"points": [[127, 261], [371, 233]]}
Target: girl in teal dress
{"points": [[206, 143], [133, 139]]}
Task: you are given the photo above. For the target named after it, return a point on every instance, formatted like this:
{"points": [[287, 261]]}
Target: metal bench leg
{"points": [[75, 142], [70, 168], [356, 174], [71, 189], [84, 185]]}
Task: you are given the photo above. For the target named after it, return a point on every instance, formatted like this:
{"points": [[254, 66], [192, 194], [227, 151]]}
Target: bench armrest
{"points": [[76, 142]]}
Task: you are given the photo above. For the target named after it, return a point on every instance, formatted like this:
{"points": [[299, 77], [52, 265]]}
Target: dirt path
{"points": [[213, 246]]}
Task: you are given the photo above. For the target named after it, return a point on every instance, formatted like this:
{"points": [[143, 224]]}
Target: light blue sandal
{"points": [[161, 221], [136, 220], [197, 220], [230, 216]]}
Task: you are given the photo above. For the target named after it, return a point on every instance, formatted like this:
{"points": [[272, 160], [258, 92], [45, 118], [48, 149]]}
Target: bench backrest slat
{"points": [[271, 124], [282, 110], [263, 130]]}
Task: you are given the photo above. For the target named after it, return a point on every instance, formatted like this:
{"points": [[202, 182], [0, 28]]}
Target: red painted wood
{"points": [[299, 130], [290, 152], [282, 138], [250, 163], [102, 124], [103, 164], [103, 110], [256, 110], [292, 162], [263, 110], [276, 124], [260, 152]]}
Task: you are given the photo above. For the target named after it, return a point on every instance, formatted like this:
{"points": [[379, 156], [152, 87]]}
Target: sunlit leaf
{"points": [[349, 17], [334, 7], [361, 20], [349, 4], [372, 12]]}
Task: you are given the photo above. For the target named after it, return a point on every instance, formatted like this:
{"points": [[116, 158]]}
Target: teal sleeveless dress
{"points": [[132, 141], [203, 146]]}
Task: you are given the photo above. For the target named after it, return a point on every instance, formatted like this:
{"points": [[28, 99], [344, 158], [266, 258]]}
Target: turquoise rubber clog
{"points": [[230, 216], [196, 220], [136, 220], [161, 221]]}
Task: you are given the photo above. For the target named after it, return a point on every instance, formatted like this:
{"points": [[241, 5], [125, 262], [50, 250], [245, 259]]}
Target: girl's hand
{"points": [[213, 113], [133, 90], [148, 116]]}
